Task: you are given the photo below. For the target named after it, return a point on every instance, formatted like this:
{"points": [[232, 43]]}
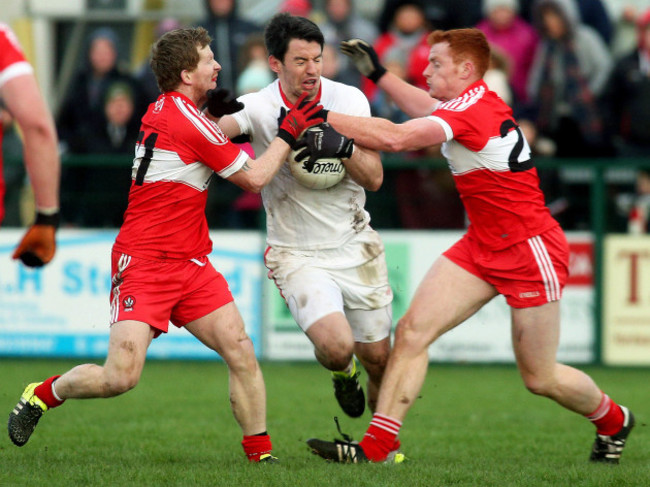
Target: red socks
{"points": [[46, 394], [381, 437], [608, 417], [256, 446]]}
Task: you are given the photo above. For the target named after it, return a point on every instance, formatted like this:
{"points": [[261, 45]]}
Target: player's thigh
{"points": [[331, 335], [310, 292], [223, 331], [370, 325], [536, 336], [127, 347], [447, 295]]}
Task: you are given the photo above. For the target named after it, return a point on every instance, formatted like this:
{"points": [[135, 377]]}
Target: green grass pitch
{"points": [[473, 425]]}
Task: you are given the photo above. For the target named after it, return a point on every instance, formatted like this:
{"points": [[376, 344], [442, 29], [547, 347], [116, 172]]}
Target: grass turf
{"points": [[472, 426]]}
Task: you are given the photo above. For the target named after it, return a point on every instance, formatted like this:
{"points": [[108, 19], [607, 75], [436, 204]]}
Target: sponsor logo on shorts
{"points": [[529, 294], [128, 302]]}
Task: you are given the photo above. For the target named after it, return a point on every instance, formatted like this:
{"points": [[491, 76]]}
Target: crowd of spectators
{"points": [[575, 72]]}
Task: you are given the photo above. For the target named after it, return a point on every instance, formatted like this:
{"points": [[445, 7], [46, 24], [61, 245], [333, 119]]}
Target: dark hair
{"points": [[463, 44], [283, 27], [174, 52]]}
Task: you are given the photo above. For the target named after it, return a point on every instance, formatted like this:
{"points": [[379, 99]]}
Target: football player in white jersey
{"points": [[160, 269], [513, 246], [324, 257]]}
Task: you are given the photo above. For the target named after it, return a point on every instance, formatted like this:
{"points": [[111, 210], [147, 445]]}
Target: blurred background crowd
{"points": [[575, 72]]}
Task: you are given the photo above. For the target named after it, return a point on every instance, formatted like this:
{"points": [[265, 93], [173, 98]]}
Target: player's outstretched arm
{"points": [[42, 163], [380, 134], [410, 99]]}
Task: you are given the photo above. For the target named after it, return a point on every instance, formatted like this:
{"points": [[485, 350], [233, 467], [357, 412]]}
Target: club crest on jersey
{"points": [[158, 106], [128, 302]]}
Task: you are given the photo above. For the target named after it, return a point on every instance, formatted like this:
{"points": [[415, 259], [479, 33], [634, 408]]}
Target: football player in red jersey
{"points": [[23, 100], [160, 269], [512, 247]]}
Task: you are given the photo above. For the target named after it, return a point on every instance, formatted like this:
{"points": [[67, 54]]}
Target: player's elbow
{"points": [[375, 182], [394, 142]]}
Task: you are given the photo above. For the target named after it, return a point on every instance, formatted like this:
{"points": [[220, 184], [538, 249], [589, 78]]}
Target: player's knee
{"points": [[540, 386], [336, 356], [408, 334], [119, 384]]}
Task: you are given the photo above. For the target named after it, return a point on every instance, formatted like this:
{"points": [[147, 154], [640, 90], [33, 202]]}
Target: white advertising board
{"points": [[62, 309]]}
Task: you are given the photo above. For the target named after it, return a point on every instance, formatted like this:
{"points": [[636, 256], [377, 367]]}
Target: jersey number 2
{"points": [[513, 158]]}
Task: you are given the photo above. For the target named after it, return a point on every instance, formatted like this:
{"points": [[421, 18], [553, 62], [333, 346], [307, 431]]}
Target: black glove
{"points": [[303, 115], [221, 102], [38, 245], [364, 57], [324, 143]]}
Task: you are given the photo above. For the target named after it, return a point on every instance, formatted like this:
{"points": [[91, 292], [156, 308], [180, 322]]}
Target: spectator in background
{"points": [[627, 97], [627, 102], [570, 70], [440, 14], [82, 111], [144, 74], [229, 32], [255, 72], [591, 12], [301, 8], [342, 22], [569, 73], [103, 188], [83, 127], [406, 32], [514, 37]]}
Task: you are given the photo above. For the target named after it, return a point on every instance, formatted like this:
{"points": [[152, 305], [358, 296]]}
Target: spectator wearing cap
{"points": [[513, 37]]}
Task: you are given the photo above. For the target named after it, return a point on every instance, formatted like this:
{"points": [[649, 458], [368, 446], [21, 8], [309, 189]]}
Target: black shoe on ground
{"points": [[608, 449]]}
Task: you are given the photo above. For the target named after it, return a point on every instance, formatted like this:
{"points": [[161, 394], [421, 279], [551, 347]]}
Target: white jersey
{"points": [[298, 217]]}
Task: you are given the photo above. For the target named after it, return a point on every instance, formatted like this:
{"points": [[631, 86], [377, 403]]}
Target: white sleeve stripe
{"points": [[210, 132], [17, 69], [449, 133]]}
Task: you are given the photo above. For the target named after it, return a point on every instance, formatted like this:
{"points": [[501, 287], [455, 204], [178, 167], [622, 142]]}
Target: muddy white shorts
{"points": [[351, 279]]}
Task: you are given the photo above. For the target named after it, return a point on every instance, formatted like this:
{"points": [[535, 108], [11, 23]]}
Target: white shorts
{"points": [[351, 279]]}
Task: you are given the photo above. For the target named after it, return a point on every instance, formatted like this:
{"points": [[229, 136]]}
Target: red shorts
{"points": [[157, 292], [530, 273]]}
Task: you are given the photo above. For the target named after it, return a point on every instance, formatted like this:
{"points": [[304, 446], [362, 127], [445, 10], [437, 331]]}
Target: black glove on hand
{"points": [[319, 144], [38, 246], [221, 102], [303, 115], [364, 57]]}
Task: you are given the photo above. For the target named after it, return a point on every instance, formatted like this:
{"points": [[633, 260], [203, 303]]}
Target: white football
{"points": [[324, 173]]}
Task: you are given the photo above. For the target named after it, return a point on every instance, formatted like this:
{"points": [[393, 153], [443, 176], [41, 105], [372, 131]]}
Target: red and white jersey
{"points": [[491, 163], [12, 64], [298, 217], [178, 151]]}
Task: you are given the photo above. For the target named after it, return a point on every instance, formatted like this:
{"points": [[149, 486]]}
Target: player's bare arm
{"points": [[257, 173], [229, 126], [381, 134], [25, 103], [364, 167], [413, 101]]}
